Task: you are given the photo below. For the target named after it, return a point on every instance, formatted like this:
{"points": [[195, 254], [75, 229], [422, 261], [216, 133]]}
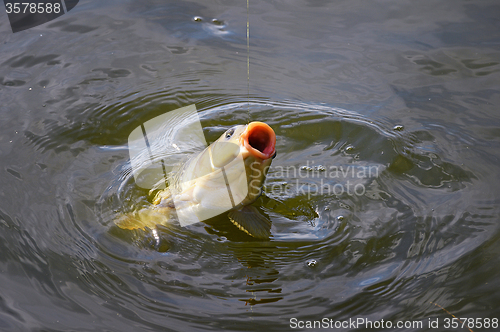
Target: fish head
{"points": [[239, 158], [258, 147], [255, 144], [255, 141], [259, 141], [227, 147]]}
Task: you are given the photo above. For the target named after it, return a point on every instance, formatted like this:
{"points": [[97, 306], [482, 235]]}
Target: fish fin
{"points": [[161, 197], [142, 219], [251, 221], [160, 185]]}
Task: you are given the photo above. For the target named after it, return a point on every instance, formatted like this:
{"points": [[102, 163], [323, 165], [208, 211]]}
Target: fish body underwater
{"points": [[224, 178]]}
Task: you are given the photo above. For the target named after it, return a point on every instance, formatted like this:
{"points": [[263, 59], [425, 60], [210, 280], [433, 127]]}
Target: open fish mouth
{"points": [[259, 139]]}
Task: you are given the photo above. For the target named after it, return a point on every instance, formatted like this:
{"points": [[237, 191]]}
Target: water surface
{"points": [[383, 197]]}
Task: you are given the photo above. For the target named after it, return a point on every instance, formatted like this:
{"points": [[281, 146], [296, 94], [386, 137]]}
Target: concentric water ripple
{"points": [[370, 245]]}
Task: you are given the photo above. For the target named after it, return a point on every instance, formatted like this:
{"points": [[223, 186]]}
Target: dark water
{"points": [[383, 197]]}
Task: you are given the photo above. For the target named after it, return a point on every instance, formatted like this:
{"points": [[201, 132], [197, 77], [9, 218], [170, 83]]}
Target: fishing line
{"points": [[145, 135], [248, 60]]}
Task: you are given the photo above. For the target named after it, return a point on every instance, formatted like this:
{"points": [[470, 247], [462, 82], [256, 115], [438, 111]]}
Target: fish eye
{"points": [[229, 133]]}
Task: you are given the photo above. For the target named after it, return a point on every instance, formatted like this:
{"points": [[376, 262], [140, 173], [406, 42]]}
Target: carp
{"points": [[226, 177]]}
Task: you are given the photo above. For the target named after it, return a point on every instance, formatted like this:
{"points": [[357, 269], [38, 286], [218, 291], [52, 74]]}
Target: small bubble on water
{"points": [[29, 89], [217, 22], [349, 148], [311, 263], [344, 206], [197, 19], [306, 168], [340, 218], [398, 128]]}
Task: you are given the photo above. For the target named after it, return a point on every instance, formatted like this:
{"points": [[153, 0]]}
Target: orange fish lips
{"points": [[259, 139]]}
